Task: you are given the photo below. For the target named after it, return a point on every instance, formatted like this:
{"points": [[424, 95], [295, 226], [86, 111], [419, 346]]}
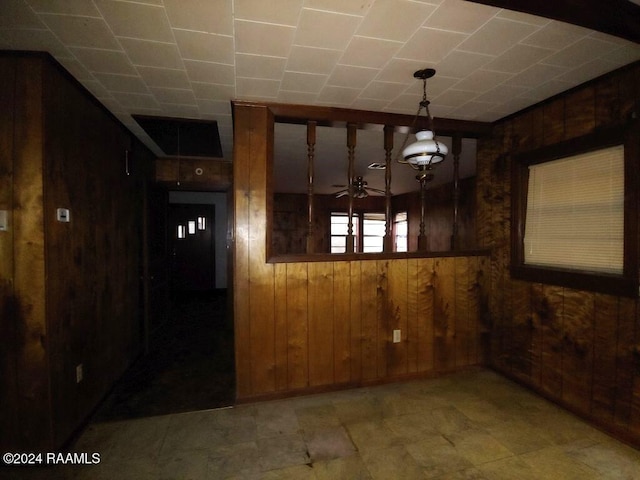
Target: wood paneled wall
{"points": [[70, 291], [318, 325], [581, 349]]}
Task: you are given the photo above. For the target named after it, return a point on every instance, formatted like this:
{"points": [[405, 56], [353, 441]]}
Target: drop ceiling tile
{"points": [[312, 60], [213, 91], [303, 82], [332, 95], [454, 98], [352, 77], [536, 75], [104, 61], [136, 101], [214, 107], [150, 21], [394, 19], [201, 15], [523, 17], [258, 66], [36, 40], [152, 54], [501, 94], [179, 111], [286, 13], [548, 89], [555, 36], [262, 38], [579, 53], [400, 70], [122, 83], [84, 32], [592, 69], [257, 87], [314, 26], [206, 47], [164, 77], [471, 110], [298, 98], [625, 55], [382, 91], [352, 7], [518, 58], [406, 104], [496, 37], [481, 81], [369, 104], [369, 52], [207, 72], [174, 96], [431, 46], [460, 16], [17, 14], [68, 7], [75, 68], [460, 64], [96, 88]]}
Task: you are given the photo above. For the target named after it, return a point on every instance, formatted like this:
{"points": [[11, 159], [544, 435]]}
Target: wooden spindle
{"points": [[456, 150], [311, 143], [351, 147], [388, 147]]}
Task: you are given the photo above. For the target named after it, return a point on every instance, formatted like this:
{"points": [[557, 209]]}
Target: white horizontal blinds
{"points": [[575, 212]]}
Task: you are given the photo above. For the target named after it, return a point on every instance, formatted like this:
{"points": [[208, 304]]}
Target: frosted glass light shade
{"points": [[425, 151]]}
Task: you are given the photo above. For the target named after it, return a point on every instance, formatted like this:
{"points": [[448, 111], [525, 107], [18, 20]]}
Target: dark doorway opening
{"points": [[189, 361]]}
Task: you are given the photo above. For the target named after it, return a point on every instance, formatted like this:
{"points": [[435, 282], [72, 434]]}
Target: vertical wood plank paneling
{"points": [[8, 303], [634, 422], [415, 334], [537, 336], [369, 319], [604, 356], [243, 130], [520, 336], [626, 366], [32, 362], [580, 108], [463, 330], [321, 321], [473, 311], [383, 318], [356, 321], [554, 122], [297, 325], [396, 300], [444, 314], [577, 353], [426, 314], [281, 329], [547, 303], [484, 323], [342, 321]]}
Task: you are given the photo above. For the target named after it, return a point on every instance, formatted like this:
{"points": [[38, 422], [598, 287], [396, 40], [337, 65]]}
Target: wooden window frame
{"points": [[625, 284]]}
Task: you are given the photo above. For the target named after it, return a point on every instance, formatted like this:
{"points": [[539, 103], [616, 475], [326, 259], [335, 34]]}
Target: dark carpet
{"points": [[190, 365]]}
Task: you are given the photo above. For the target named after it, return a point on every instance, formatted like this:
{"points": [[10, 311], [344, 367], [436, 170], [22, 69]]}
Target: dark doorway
{"points": [[189, 363], [190, 238]]}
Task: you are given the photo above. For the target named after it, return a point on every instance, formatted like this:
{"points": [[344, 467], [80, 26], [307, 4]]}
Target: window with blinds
{"points": [[575, 212]]}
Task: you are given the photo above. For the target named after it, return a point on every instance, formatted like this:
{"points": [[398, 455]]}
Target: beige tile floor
{"points": [[471, 425]]}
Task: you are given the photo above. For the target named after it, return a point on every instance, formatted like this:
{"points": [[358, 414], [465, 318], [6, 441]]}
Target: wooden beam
{"points": [[615, 17]]}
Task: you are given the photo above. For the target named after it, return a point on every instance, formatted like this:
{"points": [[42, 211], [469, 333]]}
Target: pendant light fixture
{"points": [[426, 151]]}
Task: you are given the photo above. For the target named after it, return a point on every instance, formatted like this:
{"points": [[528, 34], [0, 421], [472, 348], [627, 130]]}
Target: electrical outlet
{"points": [[79, 373], [397, 336]]}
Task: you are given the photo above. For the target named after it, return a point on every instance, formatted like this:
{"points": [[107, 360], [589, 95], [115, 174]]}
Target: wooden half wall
{"points": [[310, 326], [578, 348]]}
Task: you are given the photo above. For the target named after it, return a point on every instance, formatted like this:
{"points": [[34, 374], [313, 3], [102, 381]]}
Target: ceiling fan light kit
{"points": [[426, 151]]}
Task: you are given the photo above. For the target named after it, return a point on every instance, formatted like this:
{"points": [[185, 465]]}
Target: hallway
{"points": [[189, 366]]}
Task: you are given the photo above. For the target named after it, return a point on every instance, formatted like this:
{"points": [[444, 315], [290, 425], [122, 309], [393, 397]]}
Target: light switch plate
{"points": [[63, 215]]}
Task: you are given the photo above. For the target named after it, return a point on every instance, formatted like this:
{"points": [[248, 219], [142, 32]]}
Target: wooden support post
{"points": [[388, 147], [456, 150], [311, 143], [351, 146], [423, 240]]}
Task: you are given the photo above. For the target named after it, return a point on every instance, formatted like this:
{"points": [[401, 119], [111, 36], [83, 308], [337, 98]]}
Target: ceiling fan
{"points": [[359, 189]]}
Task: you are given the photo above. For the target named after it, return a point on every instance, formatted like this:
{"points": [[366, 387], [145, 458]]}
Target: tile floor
{"points": [[471, 425]]}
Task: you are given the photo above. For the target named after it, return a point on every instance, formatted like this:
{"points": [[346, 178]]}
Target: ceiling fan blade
{"points": [[377, 190], [342, 193]]}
